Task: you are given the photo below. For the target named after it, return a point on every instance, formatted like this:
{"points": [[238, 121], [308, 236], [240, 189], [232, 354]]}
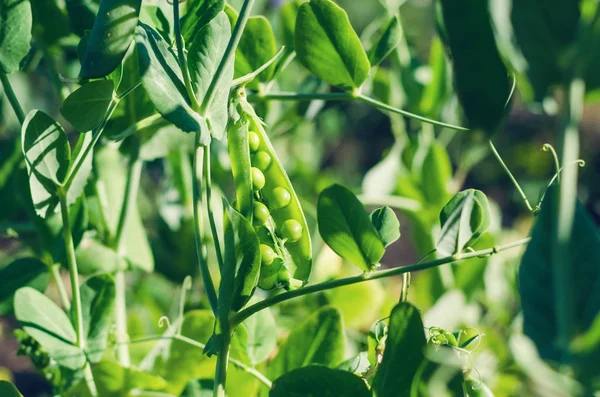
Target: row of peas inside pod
{"points": [[265, 195]]}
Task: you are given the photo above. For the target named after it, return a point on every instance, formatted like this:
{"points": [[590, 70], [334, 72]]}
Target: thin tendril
{"points": [[579, 162], [549, 148]]}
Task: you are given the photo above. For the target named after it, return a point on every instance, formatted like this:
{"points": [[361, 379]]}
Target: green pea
{"points": [[267, 255], [281, 197], [291, 230], [261, 160], [258, 178], [254, 141], [261, 213]]}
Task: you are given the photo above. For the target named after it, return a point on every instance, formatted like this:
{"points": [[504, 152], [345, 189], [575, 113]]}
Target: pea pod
{"points": [[264, 186]]}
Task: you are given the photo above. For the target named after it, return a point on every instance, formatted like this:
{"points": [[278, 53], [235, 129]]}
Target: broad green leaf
{"points": [[537, 280], [436, 91], [261, 329], [387, 224], [50, 22], [15, 33], [327, 45], [112, 170], [464, 218], [318, 340], [111, 36], [316, 380], [87, 105], [21, 272], [537, 37], [346, 228], [154, 16], [257, 46], [98, 304], [288, 13], [80, 179], [82, 14], [204, 56], [47, 154], [161, 77], [113, 380], [404, 349], [436, 175], [242, 255], [93, 257], [387, 42], [199, 14], [49, 325], [482, 90], [7, 389]]}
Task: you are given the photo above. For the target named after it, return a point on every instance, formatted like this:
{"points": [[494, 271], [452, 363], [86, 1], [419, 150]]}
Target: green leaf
{"points": [[318, 340], [162, 80], [19, 273], [386, 223], [47, 154], [536, 38], [437, 90], [204, 56], [80, 179], [464, 218], [199, 14], [242, 254], [387, 42], [154, 16], [346, 228], [111, 36], [316, 380], [358, 364], [257, 46], [50, 22], [288, 13], [86, 107], [7, 389], [537, 279], [93, 257], [15, 33], [50, 326], [482, 91], [113, 380], [82, 14], [261, 329], [436, 175], [98, 304], [328, 46], [404, 349]]}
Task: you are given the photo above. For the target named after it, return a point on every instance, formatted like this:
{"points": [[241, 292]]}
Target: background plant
{"points": [[182, 168]]}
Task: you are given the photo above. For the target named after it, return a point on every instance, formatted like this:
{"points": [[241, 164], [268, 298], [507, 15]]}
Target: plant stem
{"points": [[150, 121], [236, 35], [134, 171], [73, 273], [221, 370], [12, 98], [236, 363], [511, 176], [568, 147], [238, 317], [181, 57], [62, 293], [209, 287], [97, 133], [211, 217]]}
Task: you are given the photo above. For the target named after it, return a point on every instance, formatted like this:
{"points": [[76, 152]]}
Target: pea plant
{"points": [[188, 116]]}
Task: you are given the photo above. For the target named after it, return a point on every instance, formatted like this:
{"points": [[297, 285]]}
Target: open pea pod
{"points": [[286, 251]]}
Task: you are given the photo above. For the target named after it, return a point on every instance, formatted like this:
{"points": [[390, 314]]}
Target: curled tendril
{"points": [[549, 148], [164, 320], [579, 162]]}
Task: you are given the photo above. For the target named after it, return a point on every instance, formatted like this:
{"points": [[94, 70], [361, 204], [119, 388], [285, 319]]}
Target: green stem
{"points": [[228, 56], [211, 217], [221, 370], [238, 317], [134, 171], [181, 57], [151, 121], [73, 273], [97, 133], [511, 176], [12, 98], [568, 147], [209, 287], [62, 292]]}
